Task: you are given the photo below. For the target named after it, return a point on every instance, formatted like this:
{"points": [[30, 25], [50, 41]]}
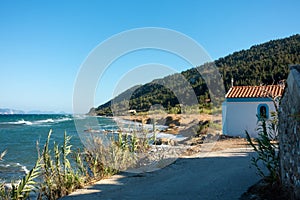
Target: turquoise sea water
{"points": [[19, 134]]}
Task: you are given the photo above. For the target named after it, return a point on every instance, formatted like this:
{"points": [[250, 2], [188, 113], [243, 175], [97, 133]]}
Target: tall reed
{"points": [[54, 175], [22, 189], [59, 179]]}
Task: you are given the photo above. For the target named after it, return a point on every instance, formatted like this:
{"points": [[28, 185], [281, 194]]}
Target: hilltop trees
{"points": [[266, 63]]}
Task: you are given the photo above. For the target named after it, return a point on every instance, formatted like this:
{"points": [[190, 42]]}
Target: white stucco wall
{"points": [[241, 116]]}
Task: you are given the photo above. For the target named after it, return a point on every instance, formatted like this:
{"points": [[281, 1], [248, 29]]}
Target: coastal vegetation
{"points": [[24, 187], [267, 63], [266, 161], [58, 177], [59, 170], [267, 149]]}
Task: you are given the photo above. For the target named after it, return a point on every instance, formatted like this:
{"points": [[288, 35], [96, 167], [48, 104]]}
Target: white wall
{"points": [[241, 116]]}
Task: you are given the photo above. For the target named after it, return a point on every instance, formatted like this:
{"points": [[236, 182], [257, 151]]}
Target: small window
{"points": [[263, 111]]}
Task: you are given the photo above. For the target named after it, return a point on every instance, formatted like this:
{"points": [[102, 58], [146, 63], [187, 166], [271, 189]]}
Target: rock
{"points": [[172, 120], [172, 125], [165, 141]]}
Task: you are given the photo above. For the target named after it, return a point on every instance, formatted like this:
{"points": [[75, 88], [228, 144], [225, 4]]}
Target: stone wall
{"points": [[289, 133]]}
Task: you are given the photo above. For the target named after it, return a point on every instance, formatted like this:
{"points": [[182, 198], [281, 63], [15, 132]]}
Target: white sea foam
{"points": [[5, 165], [49, 121], [20, 122], [13, 167], [43, 122], [139, 128], [24, 168], [63, 119], [80, 116], [136, 125]]}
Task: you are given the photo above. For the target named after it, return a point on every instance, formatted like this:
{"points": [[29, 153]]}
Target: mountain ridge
{"points": [[265, 63], [9, 111]]}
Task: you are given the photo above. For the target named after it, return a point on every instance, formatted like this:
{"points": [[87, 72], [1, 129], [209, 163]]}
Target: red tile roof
{"points": [[255, 91]]}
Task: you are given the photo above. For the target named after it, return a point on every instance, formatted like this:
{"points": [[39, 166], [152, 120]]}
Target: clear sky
{"points": [[44, 43]]}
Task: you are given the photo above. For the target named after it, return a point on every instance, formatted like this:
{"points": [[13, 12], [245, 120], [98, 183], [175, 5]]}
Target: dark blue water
{"points": [[20, 133]]}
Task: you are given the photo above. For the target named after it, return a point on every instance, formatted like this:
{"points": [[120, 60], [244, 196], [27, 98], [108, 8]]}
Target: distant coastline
{"points": [[9, 111]]}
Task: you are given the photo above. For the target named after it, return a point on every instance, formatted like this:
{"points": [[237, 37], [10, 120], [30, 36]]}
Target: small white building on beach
{"points": [[243, 104]]}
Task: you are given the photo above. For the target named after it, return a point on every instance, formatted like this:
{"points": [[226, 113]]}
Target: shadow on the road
{"points": [[187, 178]]}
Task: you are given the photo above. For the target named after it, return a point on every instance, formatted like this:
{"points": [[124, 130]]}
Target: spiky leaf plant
{"points": [[266, 148], [27, 184], [59, 179]]}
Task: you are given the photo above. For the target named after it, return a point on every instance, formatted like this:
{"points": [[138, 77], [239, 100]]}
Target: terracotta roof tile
{"points": [[255, 91]]}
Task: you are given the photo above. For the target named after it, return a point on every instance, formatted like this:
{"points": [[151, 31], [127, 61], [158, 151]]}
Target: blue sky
{"points": [[44, 43]]}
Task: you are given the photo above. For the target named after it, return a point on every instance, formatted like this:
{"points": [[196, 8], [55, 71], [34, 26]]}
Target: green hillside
{"points": [[267, 63]]}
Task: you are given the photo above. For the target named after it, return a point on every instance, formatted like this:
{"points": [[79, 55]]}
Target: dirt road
{"points": [[224, 174]]}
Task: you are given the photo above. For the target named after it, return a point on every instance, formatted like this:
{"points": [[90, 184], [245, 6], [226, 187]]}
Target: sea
{"points": [[19, 135], [23, 135]]}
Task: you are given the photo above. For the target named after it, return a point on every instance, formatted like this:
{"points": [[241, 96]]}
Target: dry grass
{"points": [[230, 143]]}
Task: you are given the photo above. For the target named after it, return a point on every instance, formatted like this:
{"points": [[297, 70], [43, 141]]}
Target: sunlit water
{"points": [[19, 135]]}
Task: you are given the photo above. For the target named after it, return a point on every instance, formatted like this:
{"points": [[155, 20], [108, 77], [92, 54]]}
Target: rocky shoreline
{"points": [[194, 128]]}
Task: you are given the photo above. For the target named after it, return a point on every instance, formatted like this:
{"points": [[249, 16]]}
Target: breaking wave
{"points": [[12, 170], [48, 121]]}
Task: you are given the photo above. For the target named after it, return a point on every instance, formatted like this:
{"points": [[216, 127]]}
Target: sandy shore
{"points": [[183, 124], [183, 119]]}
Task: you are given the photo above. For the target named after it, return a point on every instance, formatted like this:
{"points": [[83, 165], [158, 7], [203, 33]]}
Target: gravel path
{"points": [[224, 174]]}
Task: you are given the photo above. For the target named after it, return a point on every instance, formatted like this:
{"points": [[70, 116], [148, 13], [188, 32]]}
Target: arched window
{"points": [[263, 111]]}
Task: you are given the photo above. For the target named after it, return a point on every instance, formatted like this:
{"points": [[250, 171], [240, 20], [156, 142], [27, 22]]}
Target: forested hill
{"points": [[266, 63]]}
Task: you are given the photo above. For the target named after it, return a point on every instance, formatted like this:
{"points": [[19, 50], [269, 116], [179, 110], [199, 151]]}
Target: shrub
{"points": [[109, 157]]}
